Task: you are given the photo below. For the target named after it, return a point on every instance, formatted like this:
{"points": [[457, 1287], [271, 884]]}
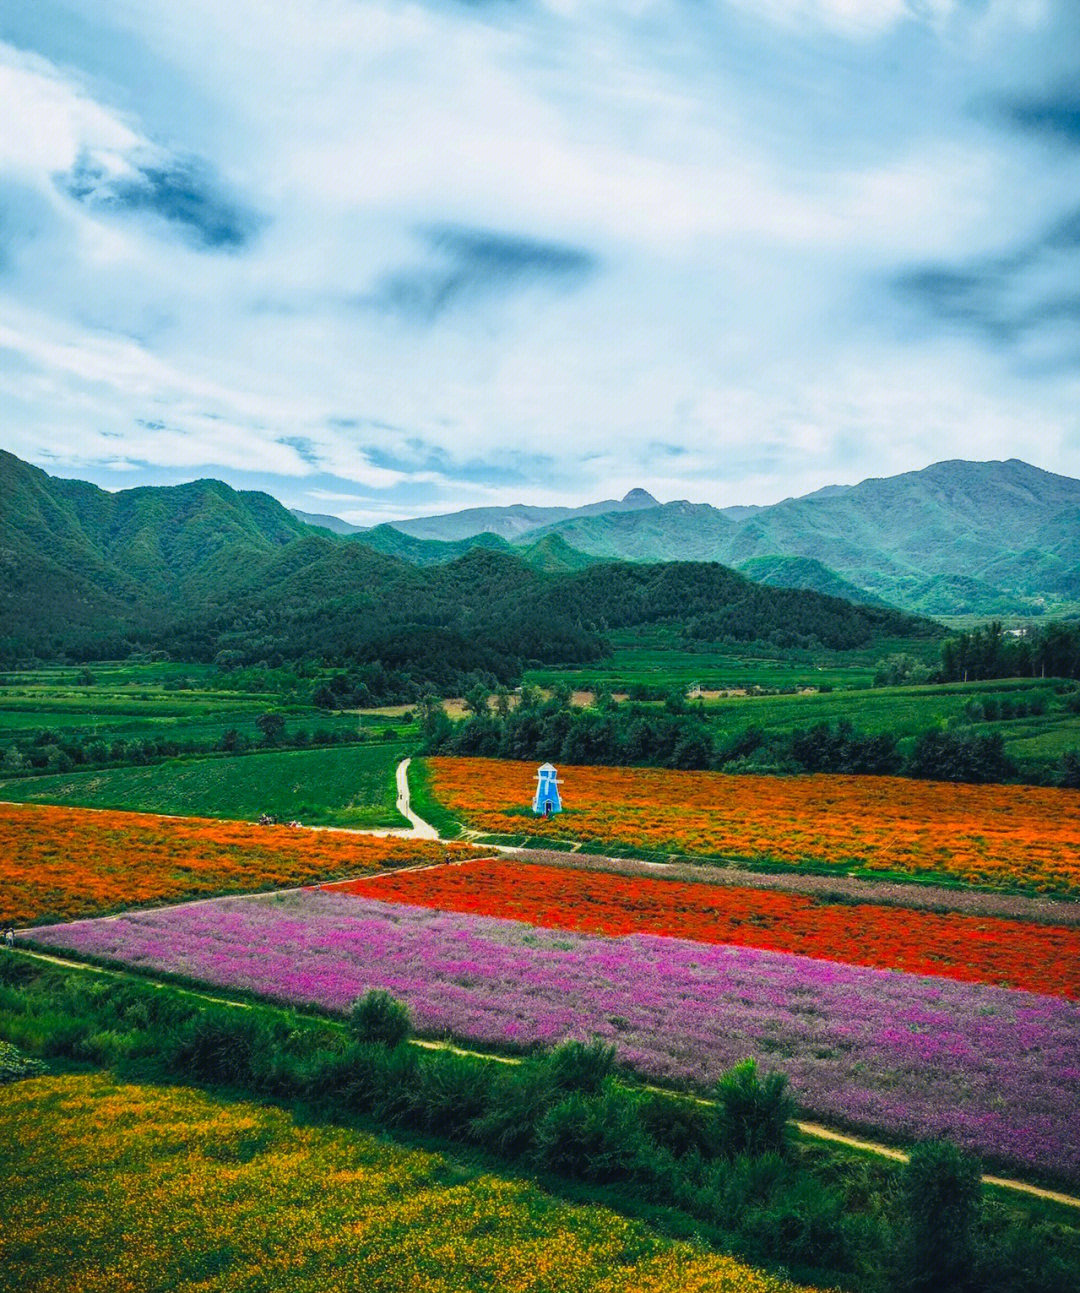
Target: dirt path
{"points": [[421, 830], [814, 1130]]}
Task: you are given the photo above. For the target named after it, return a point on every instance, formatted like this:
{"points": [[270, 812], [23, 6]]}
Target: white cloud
{"points": [[854, 18], [743, 202], [50, 120]]}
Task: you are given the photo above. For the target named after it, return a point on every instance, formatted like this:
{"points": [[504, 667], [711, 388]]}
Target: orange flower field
{"points": [[63, 863], [998, 835]]}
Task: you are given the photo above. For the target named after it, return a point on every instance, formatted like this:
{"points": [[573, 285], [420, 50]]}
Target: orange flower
{"points": [[999, 835], [71, 862]]}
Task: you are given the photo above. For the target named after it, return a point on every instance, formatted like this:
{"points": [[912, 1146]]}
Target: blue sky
{"points": [[386, 259]]}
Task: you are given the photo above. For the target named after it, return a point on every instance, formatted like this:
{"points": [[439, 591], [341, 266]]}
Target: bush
{"points": [[941, 1192], [753, 1114], [518, 1099], [960, 756], [593, 1137], [802, 1223], [379, 1017], [215, 1046], [14, 1065], [394, 1082], [679, 1125], [450, 1092], [1069, 770], [580, 1066]]}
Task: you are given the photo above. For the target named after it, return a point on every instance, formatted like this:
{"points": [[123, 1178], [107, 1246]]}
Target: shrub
{"points": [[393, 1077], [14, 1065], [594, 1137], [219, 1046], [450, 1092], [679, 1125], [753, 1114], [941, 1194], [518, 1099], [801, 1223], [580, 1066], [379, 1017]]}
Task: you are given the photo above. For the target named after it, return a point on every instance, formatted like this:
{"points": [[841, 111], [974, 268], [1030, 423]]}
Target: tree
{"points": [[272, 727], [476, 700], [1069, 774], [754, 1113], [899, 670]]}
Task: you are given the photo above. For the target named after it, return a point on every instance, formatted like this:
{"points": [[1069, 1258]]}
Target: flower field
{"points": [[829, 886], [59, 863], [998, 835], [141, 1189], [997, 1071], [1011, 953]]}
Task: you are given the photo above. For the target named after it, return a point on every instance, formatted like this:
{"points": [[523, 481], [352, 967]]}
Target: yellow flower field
{"points": [[1000, 835], [132, 1189]]}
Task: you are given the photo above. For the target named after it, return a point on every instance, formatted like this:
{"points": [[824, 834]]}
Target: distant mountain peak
{"points": [[640, 498]]}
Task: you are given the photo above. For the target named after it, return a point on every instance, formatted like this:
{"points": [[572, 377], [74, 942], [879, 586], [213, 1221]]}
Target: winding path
{"points": [[420, 830]]}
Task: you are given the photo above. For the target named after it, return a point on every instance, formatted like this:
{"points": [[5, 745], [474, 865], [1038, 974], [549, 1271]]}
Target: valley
{"points": [[812, 874]]}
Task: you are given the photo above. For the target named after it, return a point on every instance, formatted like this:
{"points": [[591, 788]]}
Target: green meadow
{"points": [[351, 785], [659, 657]]}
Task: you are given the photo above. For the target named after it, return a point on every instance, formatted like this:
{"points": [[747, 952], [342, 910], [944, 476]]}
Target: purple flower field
{"points": [[994, 1070]]}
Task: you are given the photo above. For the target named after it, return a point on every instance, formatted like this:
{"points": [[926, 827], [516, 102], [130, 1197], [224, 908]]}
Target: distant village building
{"points": [[546, 800]]}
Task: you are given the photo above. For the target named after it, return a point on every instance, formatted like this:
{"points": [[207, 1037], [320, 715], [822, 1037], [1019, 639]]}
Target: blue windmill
{"points": [[546, 800]]}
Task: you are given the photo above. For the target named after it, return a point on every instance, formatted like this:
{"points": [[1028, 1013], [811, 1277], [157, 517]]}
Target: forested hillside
{"points": [[205, 572], [955, 538]]}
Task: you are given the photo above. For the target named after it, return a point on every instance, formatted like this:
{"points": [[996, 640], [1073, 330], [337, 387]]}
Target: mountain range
{"points": [[200, 569], [955, 538]]}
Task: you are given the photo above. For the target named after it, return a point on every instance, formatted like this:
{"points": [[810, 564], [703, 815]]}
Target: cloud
{"points": [[851, 18], [472, 265], [1054, 117], [1013, 297], [533, 254], [182, 191]]}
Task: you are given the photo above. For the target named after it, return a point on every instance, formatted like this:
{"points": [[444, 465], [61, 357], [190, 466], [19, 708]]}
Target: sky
{"points": [[388, 259]]}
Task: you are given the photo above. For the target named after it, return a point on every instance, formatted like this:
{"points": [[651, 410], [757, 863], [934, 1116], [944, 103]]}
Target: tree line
{"points": [[679, 736], [990, 651]]}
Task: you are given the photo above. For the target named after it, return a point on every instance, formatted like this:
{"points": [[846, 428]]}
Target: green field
{"points": [[345, 786], [901, 710], [659, 657], [193, 705]]}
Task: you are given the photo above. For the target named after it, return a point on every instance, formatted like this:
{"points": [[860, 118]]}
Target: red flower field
{"points": [[981, 949]]}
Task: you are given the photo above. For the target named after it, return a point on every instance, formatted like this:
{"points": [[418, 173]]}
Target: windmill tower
{"points": [[546, 800]]}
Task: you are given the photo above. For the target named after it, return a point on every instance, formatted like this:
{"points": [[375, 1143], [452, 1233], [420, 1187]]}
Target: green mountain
{"points": [[324, 522], [668, 532], [1004, 535], [425, 552], [805, 573], [77, 561], [200, 569], [551, 553], [513, 521]]}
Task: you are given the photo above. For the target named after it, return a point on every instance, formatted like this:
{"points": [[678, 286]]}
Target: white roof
{"points": [[547, 767]]}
